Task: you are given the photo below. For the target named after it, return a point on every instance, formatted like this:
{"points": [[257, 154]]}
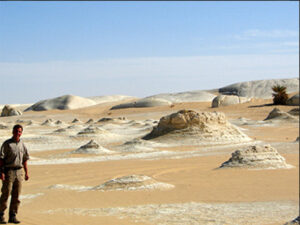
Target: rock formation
{"points": [[224, 100], [279, 115], [259, 88], [91, 148], [196, 128], [10, 111], [132, 182], [62, 103], [258, 157]]}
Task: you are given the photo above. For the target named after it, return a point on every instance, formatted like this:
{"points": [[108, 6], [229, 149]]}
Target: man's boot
{"points": [[2, 220], [13, 219]]}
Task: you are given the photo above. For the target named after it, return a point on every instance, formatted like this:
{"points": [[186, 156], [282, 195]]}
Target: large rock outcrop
{"points": [[224, 100], [62, 103], [260, 88], [196, 128], [10, 111], [258, 157]]}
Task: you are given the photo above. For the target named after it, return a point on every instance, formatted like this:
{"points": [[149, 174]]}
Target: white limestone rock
{"points": [[133, 182], [190, 127], [224, 100], [62, 103], [256, 157], [10, 111]]}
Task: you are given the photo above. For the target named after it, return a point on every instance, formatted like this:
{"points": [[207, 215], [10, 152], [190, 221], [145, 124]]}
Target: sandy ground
{"points": [[202, 194]]}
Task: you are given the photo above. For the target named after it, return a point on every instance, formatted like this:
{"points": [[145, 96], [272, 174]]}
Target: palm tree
{"points": [[280, 96]]}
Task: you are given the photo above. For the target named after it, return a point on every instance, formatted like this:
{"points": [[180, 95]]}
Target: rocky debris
{"points": [[10, 111], [92, 147], [62, 103], [259, 88], [205, 126], [224, 100], [277, 114], [294, 100], [131, 183], [258, 157]]}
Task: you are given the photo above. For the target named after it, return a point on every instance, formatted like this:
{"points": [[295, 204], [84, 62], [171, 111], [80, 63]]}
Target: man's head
{"points": [[17, 132]]}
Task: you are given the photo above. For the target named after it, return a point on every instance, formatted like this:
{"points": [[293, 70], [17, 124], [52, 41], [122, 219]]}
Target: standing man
{"points": [[13, 157]]}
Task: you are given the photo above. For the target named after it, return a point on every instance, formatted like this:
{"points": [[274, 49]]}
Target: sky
{"points": [[95, 48]]}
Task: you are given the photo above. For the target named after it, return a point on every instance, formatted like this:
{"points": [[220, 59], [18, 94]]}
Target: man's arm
{"points": [[2, 175], [26, 170]]}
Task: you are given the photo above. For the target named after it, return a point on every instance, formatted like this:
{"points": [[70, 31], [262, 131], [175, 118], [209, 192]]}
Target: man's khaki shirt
{"points": [[13, 153]]}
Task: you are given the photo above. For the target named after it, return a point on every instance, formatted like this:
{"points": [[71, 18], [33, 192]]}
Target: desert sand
{"points": [[101, 171]]}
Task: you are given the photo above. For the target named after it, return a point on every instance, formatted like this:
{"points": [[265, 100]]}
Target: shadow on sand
{"points": [[258, 106]]}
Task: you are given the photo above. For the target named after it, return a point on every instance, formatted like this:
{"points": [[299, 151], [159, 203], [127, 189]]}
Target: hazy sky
{"points": [[49, 49]]}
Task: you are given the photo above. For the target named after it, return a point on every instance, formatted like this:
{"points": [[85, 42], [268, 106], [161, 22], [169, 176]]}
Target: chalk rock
{"points": [[224, 100], [91, 130], [294, 100], [204, 127], [10, 111], [294, 112], [62, 103], [279, 115], [131, 183], [256, 156], [91, 147], [259, 88]]}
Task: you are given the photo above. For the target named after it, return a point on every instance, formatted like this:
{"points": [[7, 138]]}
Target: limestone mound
{"points": [[260, 88], [143, 103], [62, 103], [204, 127], [294, 112], [10, 111], [258, 157], [91, 147], [90, 121], [131, 183], [279, 115], [224, 100], [3, 126], [75, 120], [48, 122], [294, 100], [91, 130]]}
